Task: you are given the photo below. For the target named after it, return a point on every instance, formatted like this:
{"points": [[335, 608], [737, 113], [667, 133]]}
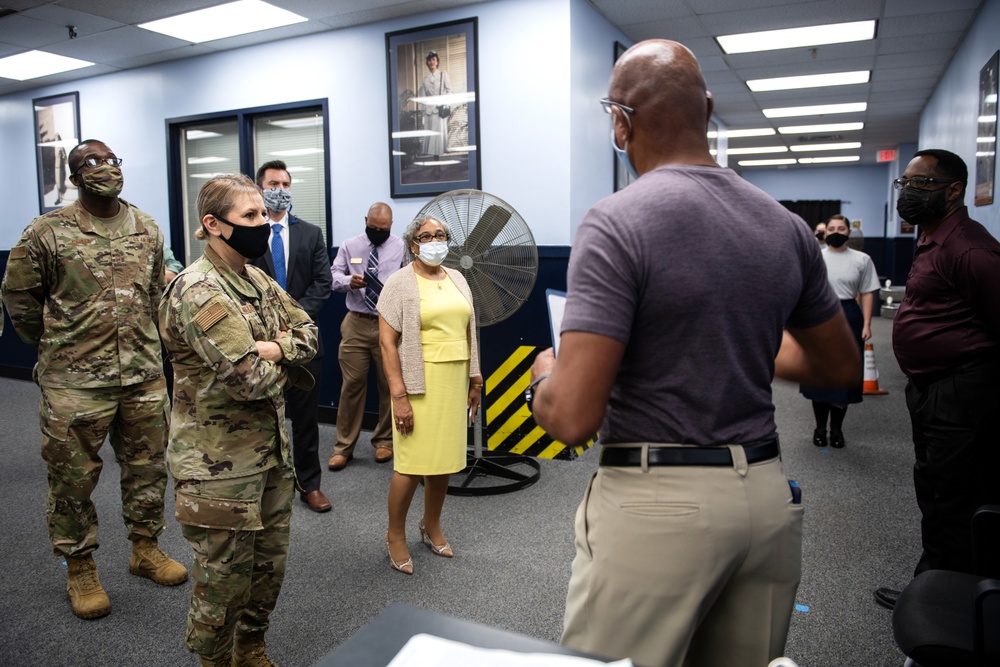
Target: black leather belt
{"points": [[686, 455], [364, 315]]}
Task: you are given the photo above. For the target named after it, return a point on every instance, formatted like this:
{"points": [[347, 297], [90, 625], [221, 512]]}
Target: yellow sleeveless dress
{"points": [[438, 443]]}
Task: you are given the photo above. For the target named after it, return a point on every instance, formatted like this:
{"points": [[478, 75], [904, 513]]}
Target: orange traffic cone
{"points": [[871, 373]]}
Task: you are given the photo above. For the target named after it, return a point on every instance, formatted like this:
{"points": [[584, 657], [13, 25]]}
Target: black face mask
{"points": [[820, 235], [836, 240], [921, 207], [376, 236], [250, 242]]}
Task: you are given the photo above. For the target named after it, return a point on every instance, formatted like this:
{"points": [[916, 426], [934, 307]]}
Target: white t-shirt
{"points": [[850, 272]]}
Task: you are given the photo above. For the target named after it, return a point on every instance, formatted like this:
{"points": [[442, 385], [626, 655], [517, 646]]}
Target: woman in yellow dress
{"points": [[427, 332]]}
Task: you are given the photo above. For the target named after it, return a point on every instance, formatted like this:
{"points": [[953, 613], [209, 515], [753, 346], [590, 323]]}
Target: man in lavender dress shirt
{"points": [[363, 263]]}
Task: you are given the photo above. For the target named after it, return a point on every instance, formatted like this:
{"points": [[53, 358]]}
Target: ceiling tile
{"points": [[117, 44]]}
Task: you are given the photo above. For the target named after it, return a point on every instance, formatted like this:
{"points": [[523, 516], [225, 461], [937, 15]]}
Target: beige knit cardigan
{"points": [[399, 306]]}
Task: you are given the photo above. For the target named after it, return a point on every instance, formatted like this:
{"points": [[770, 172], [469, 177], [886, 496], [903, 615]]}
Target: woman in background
{"points": [[852, 275], [820, 232], [427, 332], [235, 340]]}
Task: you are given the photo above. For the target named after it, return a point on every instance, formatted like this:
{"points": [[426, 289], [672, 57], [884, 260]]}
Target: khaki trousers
{"points": [[686, 566], [358, 348]]}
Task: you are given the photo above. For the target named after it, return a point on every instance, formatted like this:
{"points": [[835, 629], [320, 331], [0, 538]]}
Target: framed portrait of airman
{"points": [[57, 131], [434, 142], [986, 135]]}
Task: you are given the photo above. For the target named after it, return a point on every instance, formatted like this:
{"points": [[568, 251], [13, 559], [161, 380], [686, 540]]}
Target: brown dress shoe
{"points": [[316, 501], [339, 461], [383, 455]]}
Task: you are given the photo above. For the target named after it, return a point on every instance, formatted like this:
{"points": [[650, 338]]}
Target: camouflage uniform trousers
{"points": [[239, 529], [74, 424]]}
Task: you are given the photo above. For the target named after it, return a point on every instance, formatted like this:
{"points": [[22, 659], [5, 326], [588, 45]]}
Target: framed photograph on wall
{"points": [[57, 131], [986, 136], [433, 109], [622, 175]]}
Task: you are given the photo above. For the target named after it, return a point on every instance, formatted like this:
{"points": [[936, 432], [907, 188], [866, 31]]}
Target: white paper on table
{"points": [[556, 301], [429, 651]]}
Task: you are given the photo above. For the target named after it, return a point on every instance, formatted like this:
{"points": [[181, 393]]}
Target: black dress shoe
{"points": [[886, 597], [837, 439], [819, 437]]}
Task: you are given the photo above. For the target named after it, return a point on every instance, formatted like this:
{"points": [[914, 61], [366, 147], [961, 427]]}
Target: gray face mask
{"points": [[277, 199]]}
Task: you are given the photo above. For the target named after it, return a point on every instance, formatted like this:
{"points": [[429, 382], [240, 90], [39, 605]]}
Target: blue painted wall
{"points": [[949, 120]]}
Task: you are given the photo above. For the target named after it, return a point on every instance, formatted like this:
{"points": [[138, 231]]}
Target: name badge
{"points": [[355, 260]]}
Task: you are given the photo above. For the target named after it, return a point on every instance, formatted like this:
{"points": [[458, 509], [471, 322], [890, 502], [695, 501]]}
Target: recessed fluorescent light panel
{"points": [[816, 110], [827, 127], [767, 163], [200, 134], [749, 132], [824, 160], [758, 149], [809, 81], [814, 35], [33, 64], [805, 148], [229, 20]]}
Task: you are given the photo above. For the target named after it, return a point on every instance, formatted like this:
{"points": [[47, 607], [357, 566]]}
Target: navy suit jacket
{"points": [[307, 275]]}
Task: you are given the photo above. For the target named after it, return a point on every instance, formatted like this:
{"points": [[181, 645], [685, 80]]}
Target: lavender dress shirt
{"points": [[352, 258]]}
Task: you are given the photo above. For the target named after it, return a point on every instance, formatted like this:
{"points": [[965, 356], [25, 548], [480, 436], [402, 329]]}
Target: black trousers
{"points": [[302, 407], [957, 445]]}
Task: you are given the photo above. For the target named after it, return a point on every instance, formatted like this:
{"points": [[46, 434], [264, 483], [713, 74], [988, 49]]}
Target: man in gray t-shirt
{"points": [[682, 288]]}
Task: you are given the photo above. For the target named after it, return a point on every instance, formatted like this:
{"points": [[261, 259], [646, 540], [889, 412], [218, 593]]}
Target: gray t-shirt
{"points": [[850, 272], [697, 272]]}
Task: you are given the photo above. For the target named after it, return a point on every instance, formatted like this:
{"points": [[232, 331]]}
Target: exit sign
{"points": [[886, 156]]}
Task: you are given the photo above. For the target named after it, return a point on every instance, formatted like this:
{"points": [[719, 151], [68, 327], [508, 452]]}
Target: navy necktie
{"points": [[278, 255], [371, 296]]}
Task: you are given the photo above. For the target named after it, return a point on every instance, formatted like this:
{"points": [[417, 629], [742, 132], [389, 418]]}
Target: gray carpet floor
{"points": [[513, 551]]}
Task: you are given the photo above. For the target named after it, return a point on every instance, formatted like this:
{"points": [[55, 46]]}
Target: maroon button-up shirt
{"points": [[951, 312]]}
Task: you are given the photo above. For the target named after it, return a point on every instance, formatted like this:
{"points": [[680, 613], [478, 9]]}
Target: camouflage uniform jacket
{"points": [[228, 417], [86, 299]]}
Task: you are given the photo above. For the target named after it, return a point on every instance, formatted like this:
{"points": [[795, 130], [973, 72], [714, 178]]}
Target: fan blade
{"points": [[487, 229]]}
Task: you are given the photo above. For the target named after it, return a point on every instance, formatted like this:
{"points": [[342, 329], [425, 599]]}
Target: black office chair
{"points": [[952, 619]]}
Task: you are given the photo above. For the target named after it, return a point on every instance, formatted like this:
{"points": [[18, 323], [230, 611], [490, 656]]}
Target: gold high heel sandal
{"points": [[444, 550], [401, 567]]}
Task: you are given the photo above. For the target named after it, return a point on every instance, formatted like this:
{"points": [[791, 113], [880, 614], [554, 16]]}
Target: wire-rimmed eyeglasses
{"points": [[916, 181]]}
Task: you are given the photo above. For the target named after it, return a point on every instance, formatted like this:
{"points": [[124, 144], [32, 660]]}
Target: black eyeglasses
{"points": [[916, 181], [427, 237]]}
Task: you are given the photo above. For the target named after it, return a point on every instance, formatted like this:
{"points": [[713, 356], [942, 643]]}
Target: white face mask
{"points": [[433, 253], [622, 154]]}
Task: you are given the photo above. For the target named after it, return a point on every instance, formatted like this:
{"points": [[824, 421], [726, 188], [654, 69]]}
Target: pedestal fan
{"points": [[493, 248]]}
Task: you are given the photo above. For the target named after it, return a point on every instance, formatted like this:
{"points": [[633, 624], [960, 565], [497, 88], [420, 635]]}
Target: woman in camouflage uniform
{"points": [[235, 339]]}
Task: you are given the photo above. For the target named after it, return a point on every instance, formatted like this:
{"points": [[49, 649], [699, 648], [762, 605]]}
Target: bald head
{"points": [[379, 217], [661, 80]]}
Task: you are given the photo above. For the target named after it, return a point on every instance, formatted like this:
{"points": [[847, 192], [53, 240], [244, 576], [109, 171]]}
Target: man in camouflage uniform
{"points": [[236, 341], [82, 286]]}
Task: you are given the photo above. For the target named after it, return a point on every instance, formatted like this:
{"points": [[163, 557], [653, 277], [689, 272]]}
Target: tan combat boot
{"points": [[83, 587], [224, 661], [251, 651], [148, 561]]}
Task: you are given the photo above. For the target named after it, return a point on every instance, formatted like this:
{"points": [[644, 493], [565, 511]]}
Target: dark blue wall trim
{"points": [[528, 326]]}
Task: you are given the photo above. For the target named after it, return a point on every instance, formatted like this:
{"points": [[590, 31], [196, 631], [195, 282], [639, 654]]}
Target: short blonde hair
{"points": [[219, 195]]}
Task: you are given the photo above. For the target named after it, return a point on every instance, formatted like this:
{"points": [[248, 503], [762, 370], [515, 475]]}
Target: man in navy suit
{"points": [[299, 261]]}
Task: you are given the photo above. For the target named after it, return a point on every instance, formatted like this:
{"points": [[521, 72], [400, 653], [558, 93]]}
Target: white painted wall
{"points": [[949, 119], [592, 42], [524, 75], [862, 189]]}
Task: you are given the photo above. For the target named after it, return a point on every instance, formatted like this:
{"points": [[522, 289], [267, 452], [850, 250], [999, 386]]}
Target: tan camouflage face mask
{"points": [[105, 180]]}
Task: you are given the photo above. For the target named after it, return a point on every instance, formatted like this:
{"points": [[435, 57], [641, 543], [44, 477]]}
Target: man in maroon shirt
{"points": [[946, 337]]}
